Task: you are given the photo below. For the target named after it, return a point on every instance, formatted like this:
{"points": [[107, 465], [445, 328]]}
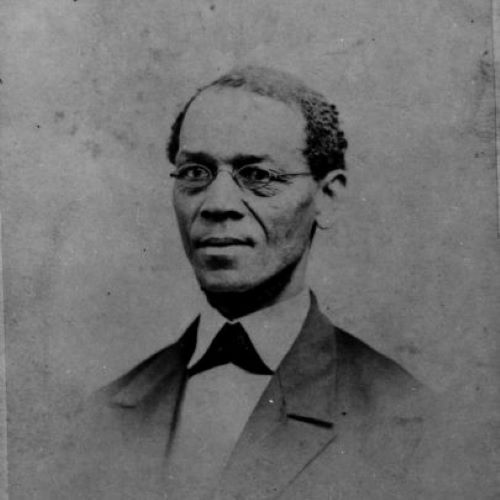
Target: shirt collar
{"points": [[272, 330]]}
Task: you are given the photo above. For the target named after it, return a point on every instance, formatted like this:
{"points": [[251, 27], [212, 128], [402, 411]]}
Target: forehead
{"points": [[226, 122]]}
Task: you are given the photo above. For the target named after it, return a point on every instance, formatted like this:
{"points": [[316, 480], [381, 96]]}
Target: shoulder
{"points": [[370, 366], [148, 380], [368, 378]]}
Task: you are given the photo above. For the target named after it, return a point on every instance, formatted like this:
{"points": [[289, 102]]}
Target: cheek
{"points": [[184, 209], [182, 213], [292, 225]]}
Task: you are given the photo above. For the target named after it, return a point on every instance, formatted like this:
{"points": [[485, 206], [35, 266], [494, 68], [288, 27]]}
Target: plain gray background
{"points": [[94, 274]]}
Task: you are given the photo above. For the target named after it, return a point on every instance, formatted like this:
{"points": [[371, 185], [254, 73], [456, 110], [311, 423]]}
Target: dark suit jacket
{"points": [[344, 422]]}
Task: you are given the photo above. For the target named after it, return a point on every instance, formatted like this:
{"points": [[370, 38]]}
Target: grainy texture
{"points": [[95, 278], [496, 38], [3, 392]]}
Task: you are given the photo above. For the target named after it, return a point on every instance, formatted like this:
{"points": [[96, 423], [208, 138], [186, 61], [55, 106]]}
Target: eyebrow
{"points": [[242, 160], [236, 161], [198, 157]]}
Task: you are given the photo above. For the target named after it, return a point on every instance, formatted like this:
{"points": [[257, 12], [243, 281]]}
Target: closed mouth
{"points": [[222, 242]]}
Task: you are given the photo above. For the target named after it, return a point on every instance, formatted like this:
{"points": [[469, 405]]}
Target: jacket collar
{"points": [[306, 375], [139, 385]]}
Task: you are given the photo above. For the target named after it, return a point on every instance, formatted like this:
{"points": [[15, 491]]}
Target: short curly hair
{"points": [[325, 141]]}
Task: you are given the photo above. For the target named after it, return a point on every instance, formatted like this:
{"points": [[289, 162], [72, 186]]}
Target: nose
{"points": [[223, 198]]}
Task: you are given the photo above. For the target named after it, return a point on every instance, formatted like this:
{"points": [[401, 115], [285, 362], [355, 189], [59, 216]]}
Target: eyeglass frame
{"points": [[233, 172]]}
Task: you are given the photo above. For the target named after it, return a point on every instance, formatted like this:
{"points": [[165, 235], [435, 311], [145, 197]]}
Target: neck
{"points": [[285, 284]]}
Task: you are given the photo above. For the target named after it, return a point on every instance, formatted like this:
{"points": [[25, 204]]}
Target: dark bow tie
{"points": [[231, 345]]}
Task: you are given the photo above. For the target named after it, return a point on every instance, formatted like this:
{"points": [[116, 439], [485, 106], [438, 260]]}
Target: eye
{"points": [[193, 173], [254, 175]]}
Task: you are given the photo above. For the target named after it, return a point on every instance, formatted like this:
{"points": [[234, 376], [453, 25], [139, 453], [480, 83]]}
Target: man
{"points": [[261, 397]]}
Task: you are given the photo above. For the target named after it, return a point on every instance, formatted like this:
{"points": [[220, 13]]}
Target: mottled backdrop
{"points": [[95, 279]]}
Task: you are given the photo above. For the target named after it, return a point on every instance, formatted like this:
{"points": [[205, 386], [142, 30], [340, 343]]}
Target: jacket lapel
{"points": [[149, 396], [294, 420]]}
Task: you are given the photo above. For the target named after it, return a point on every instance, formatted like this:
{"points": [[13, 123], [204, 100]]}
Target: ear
{"points": [[327, 196]]}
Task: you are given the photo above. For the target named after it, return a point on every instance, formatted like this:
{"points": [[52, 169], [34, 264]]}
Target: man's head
{"points": [[245, 222]]}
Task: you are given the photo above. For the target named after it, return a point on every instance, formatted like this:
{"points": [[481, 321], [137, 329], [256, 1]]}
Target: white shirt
{"points": [[218, 402]]}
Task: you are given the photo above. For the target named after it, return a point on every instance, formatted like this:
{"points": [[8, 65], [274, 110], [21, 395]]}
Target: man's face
{"points": [[236, 238]]}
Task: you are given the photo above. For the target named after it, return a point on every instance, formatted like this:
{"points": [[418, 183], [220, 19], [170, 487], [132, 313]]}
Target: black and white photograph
{"points": [[250, 250]]}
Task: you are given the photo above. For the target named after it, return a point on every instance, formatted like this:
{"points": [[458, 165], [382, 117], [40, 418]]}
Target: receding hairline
{"points": [[207, 94], [267, 82]]}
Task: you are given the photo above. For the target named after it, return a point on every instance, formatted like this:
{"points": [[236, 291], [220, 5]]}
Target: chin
{"points": [[225, 283]]}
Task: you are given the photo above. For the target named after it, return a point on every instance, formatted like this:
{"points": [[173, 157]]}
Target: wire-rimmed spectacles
{"points": [[252, 177]]}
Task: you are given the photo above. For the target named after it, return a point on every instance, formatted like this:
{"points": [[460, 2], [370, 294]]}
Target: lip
{"points": [[222, 241]]}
